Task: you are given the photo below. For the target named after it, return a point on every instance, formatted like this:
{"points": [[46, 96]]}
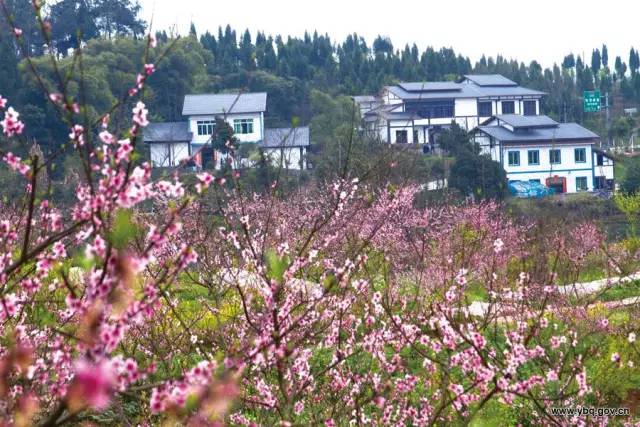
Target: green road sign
{"points": [[591, 101]]}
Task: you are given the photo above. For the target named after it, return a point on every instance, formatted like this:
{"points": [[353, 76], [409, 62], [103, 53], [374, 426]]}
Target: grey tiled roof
{"points": [[562, 132], [490, 80], [364, 98], [167, 132], [519, 121], [224, 103], [430, 86], [286, 137], [464, 90]]}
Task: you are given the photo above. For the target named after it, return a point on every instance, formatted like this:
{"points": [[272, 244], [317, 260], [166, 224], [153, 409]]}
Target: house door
{"points": [[401, 137], [208, 157], [559, 184]]}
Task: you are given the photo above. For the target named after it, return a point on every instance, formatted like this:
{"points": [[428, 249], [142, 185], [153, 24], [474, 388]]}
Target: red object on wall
{"points": [[557, 181]]}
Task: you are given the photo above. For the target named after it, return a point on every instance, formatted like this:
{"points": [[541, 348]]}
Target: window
{"points": [[554, 157], [581, 183], [205, 127], [537, 181], [484, 109], [508, 107], [401, 136], [599, 160], [432, 109], [415, 136], [533, 157], [580, 155], [242, 126], [514, 158], [529, 108]]}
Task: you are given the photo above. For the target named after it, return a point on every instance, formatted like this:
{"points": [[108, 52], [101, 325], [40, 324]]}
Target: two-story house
{"points": [[537, 148], [176, 143], [415, 112]]}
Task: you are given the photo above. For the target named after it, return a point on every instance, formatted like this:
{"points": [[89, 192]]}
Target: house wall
{"points": [[466, 110], [568, 168], [168, 154], [287, 158], [258, 127]]}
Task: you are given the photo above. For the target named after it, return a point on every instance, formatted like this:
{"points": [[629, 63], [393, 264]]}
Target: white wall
{"points": [[258, 127], [568, 168], [287, 158], [168, 154]]}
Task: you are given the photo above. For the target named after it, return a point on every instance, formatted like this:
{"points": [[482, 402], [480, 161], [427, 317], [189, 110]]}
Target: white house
{"points": [[537, 148], [168, 143], [415, 112], [176, 142], [287, 147]]}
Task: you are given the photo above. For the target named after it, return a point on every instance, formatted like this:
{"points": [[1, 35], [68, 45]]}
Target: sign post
{"points": [[591, 101]]}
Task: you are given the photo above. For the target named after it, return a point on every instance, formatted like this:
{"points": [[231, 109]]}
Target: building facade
{"points": [[561, 156], [410, 113], [172, 144]]}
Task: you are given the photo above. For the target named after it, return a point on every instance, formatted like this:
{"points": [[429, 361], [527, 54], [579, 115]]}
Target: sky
{"points": [[544, 30]]}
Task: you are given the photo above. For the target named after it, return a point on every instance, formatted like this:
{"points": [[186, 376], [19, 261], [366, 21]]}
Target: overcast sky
{"points": [[544, 30]]}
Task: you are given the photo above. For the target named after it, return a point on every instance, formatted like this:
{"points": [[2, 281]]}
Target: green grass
{"points": [[621, 291]]}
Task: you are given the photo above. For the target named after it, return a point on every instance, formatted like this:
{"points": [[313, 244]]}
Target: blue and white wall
{"points": [[568, 168], [255, 136]]}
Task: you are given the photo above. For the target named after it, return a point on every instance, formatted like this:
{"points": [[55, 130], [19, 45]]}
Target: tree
{"points": [[569, 61], [118, 18], [478, 176], [72, 21], [631, 181], [634, 61], [246, 52], [621, 67], [455, 140], [596, 61], [605, 56]]}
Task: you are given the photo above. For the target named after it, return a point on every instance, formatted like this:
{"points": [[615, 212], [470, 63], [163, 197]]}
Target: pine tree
{"points": [[596, 61], [634, 61], [569, 61]]}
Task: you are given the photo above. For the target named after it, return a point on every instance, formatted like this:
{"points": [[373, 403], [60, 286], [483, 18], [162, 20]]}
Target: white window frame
{"points": [[516, 154], [205, 127], [242, 126]]}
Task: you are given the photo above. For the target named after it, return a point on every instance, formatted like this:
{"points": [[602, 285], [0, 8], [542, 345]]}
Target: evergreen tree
{"points": [[246, 52], [634, 61], [621, 67], [596, 61], [115, 18], [605, 56], [569, 61]]}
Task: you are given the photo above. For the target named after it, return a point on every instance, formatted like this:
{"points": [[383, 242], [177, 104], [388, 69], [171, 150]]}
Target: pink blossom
{"points": [[77, 135], [205, 180], [140, 114], [11, 125], [92, 385]]}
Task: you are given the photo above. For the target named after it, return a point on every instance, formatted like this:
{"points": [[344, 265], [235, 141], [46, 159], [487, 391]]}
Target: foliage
{"points": [[192, 303], [472, 173], [631, 180]]}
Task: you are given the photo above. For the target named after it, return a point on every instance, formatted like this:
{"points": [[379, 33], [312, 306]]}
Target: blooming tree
{"points": [[340, 304]]}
